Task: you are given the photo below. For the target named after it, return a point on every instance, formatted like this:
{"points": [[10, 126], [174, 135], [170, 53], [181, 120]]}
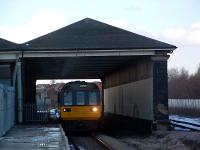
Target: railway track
{"points": [[185, 125], [87, 143]]}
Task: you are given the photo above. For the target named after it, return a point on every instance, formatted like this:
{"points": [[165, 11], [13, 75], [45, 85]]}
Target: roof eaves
{"points": [[98, 49]]}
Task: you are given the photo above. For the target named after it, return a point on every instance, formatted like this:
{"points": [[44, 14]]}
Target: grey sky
{"points": [[174, 21]]}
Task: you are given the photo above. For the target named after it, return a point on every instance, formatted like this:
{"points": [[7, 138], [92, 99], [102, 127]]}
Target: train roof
{"points": [[80, 85]]}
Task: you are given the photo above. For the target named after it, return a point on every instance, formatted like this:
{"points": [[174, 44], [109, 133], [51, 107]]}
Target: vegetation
{"points": [[183, 85]]}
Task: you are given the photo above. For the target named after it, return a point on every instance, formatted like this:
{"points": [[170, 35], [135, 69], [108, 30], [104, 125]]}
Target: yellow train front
{"points": [[80, 105]]}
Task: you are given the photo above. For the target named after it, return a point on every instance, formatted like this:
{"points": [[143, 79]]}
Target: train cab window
{"points": [[68, 98], [92, 98], [80, 98]]}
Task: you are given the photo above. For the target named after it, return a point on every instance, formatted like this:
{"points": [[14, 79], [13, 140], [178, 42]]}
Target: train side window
{"points": [[92, 98], [68, 98], [80, 98]]}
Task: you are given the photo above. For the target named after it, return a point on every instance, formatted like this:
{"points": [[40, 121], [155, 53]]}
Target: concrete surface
{"points": [[34, 137]]}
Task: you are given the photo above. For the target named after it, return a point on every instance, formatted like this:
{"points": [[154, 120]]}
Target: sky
{"points": [[176, 22], [65, 81]]}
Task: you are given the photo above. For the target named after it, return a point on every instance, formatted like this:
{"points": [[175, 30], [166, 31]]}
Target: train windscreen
{"points": [[81, 98], [93, 98], [68, 98]]}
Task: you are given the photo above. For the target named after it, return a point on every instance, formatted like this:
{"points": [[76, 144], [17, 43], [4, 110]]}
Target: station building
{"points": [[132, 68]]}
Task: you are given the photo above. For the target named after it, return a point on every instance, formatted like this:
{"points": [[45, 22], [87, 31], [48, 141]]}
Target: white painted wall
{"points": [[133, 99]]}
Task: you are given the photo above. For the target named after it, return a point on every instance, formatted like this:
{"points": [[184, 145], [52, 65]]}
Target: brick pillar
{"points": [[160, 90]]}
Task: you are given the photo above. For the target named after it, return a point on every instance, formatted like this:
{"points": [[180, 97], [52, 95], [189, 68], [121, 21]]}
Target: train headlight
{"points": [[94, 109], [67, 109]]}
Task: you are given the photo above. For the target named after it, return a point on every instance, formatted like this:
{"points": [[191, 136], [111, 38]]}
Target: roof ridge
{"points": [[93, 34]]}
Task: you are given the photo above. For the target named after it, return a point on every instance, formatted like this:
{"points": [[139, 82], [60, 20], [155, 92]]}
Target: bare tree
{"points": [[182, 85], [173, 74]]}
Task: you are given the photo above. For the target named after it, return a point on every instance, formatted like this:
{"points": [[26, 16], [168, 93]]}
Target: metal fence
{"points": [[186, 107], [34, 113], [7, 108]]}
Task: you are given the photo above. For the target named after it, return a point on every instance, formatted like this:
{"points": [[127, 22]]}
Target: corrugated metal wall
{"points": [[188, 107], [7, 108]]}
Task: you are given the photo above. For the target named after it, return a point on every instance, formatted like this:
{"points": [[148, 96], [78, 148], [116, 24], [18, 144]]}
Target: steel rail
{"points": [[72, 143], [77, 146], [99, 141], [183, 124]]}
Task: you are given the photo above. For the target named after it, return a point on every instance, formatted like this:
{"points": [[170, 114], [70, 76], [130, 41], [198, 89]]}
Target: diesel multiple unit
{"points": [[80, 105]]}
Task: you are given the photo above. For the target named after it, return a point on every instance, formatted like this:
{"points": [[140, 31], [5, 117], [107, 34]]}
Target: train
{"points": [[80, 105]]}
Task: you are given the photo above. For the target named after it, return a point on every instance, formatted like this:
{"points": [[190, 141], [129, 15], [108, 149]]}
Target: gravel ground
{"points": [[159, 140]]}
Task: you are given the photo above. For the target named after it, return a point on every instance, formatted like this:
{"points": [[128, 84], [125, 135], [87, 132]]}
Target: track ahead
{"points": [[92, 142], [185, 125]]}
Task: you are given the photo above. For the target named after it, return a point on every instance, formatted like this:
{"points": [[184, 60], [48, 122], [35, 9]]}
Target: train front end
{"points": [[80, 105]]}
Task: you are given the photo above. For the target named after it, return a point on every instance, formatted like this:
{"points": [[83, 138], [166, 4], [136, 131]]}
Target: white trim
{"points": [[13, 55], [79, 54], [9, 56]]}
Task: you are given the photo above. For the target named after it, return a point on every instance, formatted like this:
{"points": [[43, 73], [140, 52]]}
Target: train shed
{"points": [[132, 68]]}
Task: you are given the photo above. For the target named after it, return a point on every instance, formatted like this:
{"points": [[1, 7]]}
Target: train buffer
{"points": [[32, 137]]}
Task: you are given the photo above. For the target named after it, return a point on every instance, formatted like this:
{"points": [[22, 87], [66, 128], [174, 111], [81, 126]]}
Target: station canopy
{"points": [[87, 49], [89, 34]]}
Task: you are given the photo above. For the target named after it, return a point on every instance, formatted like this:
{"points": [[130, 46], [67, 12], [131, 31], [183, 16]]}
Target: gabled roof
{"points": [[89, 34], [7, 45]]}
